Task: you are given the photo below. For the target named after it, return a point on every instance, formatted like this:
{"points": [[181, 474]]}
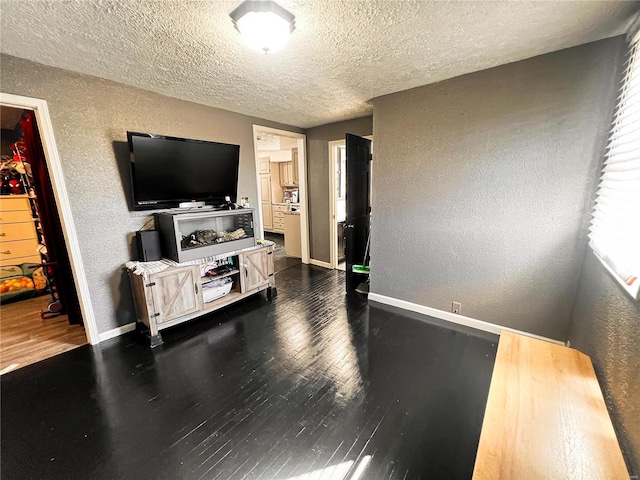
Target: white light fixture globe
{"points": [[264, 25]]}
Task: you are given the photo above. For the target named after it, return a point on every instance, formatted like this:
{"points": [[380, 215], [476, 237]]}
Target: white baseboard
{"points": [[319, 263], [453, 317], [116, 332]]}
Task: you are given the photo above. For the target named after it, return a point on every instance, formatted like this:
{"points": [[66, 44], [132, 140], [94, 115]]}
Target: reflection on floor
{"points": [[281, 261], [26, 338], [316, 384]]}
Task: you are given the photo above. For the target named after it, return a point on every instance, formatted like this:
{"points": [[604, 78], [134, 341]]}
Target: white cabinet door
{"points": [[295, 173], [265, 188], [264, 165], [286, 173], [267, 216]]}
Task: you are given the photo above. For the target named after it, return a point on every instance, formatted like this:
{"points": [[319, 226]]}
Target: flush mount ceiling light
{"points": [[264, 25]]}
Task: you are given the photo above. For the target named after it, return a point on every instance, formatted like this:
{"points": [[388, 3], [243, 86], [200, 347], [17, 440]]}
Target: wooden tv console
{"points": [[167, 293]]}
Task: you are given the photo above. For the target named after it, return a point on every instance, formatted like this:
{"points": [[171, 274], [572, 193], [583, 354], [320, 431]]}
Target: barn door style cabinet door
{"points": [[175, 293], [257, 269], [166, 296]]}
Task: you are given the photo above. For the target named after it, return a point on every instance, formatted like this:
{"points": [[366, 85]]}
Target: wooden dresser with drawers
{"points": [[18, 236]]}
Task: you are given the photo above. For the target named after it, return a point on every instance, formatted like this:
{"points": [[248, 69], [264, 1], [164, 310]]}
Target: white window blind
{"points": [[615, 226]]}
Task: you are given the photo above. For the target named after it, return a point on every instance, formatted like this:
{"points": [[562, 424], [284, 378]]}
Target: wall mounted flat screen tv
{"points": [[167, 171]]}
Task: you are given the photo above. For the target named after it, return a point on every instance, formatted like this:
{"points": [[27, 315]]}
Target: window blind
{"points": [[615, 225]]}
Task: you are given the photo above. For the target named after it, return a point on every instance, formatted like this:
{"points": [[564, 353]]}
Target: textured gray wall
{"points": [[90, 119], [606, 326], [482, 187], [318, 139]]}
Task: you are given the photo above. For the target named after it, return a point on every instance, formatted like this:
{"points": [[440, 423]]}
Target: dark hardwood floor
{"points": [[280, 259], [314, 385]]}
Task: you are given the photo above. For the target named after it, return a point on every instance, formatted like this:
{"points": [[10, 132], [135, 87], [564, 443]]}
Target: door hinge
{"points": [[370, 156], [150, 284]]}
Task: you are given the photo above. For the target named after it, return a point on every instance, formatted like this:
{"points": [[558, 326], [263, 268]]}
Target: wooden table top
{"points": [[545, 417]]}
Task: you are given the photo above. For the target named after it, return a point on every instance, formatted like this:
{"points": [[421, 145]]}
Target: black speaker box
{"points": [[148, 245]]}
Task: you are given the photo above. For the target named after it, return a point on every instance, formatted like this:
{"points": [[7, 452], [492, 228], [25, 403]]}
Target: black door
{"points": [[356, 232]]}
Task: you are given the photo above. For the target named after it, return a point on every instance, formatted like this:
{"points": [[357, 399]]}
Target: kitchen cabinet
{"points": [[264, 165], [289, 170], [265, 188], [265, 202], [286, 173], [267, 217], [292, 243], [278, 218], [296, 175]]}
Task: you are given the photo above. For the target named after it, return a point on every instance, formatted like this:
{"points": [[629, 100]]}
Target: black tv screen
{"points": [[166, 171]]}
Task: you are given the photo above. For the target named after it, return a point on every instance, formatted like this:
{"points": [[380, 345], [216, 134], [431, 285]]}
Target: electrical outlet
{"points": [[456, 307]]}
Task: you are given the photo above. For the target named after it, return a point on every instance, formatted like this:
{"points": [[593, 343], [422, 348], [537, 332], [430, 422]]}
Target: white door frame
{"points": [[333, 225], [333, 206], [302, 175], [54, 166]]}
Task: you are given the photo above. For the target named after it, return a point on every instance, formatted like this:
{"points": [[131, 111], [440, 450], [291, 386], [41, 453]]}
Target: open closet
{"points": [[39, 307]]}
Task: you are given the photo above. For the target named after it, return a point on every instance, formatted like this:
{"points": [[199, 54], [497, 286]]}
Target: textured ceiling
{"points": [[341, 54]]}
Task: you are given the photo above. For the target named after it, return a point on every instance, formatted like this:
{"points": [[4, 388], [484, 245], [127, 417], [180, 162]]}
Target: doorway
{"points": [[337, 191], [65, 239], [39, 306], [283, 208], [337, 200]]}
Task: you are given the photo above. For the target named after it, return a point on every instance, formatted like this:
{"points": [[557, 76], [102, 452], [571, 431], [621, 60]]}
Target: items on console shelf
{"points": [[216, 268], [215, 289]]}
